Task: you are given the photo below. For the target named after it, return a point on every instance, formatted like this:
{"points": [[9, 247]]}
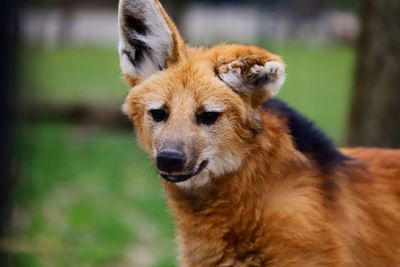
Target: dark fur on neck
{"points": [[307, 138]]}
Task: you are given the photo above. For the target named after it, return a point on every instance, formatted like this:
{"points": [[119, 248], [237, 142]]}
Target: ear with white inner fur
{"points": [[149, 40], [254, 81]]}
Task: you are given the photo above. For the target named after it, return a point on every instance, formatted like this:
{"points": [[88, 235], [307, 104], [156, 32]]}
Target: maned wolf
{"points": [[250, 182]]}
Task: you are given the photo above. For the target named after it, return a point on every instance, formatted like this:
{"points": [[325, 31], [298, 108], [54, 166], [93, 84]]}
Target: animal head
{"points": [[195, 110]]}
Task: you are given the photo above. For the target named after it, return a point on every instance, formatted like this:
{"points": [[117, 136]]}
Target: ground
{"points": [[87, 196]]}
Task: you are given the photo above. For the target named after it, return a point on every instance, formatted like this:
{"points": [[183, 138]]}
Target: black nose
{"points": [[170, 160]]}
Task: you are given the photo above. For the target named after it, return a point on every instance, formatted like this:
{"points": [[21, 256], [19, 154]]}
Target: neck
{"points": [[230, 207]]}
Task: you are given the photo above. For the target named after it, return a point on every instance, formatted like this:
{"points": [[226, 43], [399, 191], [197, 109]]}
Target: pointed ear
{"points": [[255, 77], [149, 40]]}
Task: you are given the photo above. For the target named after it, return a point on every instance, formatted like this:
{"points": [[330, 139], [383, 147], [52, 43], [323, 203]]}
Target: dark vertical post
{"points": [[8, 34]]}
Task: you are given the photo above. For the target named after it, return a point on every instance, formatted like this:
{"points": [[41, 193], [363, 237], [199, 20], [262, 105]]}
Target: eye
{"points": [[208, 118], [159, 115]]}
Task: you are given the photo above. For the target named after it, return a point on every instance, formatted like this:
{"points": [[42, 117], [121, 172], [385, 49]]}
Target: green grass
{"points": [[88, 196], [70, 74]]}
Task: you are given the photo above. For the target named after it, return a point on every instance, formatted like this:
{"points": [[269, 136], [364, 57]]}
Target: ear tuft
{"points": [[254, 80]]}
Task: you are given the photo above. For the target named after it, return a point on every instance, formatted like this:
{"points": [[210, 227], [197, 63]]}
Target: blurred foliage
{"points": [[70, 3], [344, 4], [351, 5]]}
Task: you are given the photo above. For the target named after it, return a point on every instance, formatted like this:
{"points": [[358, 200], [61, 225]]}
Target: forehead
{"points": [[191, 86]]}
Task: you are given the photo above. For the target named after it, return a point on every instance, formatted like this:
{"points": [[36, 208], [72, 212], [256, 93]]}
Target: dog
{"points": [[249, 181]]}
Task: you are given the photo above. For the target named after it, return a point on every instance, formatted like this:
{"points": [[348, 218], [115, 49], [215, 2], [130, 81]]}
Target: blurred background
{"points": [[75, 189]]}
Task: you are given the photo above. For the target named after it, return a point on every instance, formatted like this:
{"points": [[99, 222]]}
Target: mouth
{"points": [[181, 178]]}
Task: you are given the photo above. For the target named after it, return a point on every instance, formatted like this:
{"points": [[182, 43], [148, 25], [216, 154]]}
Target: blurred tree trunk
{"points": [[375, 114]]}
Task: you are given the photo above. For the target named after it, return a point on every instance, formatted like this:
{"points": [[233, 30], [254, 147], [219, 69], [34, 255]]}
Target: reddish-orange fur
{"points": [[278, 208], [281, 214]]}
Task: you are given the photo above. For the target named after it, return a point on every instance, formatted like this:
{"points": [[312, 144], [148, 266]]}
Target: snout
{"points": [[171, 160], [173, 165]]}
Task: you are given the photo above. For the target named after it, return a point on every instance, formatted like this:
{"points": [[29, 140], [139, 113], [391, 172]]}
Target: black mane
{"points": [[306, 136]]}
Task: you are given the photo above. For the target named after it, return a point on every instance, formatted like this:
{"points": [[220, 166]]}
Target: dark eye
{"points": [[159, 115], [208, 118]]}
